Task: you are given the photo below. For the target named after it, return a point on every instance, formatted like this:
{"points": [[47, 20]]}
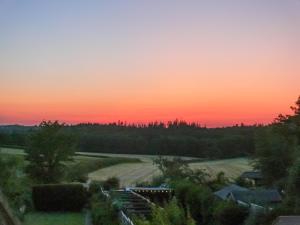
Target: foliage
{"points": [[172, 138], [177, 168], [277, 147], [95, 187], [103, 211], [197, 200], [293, 189], [200, 201], [274, 155], [243, 182], [229, 213], [278, 157], [171, 214], [13, 183], [78, 172], [48, 148], [175, 214], [219, 182], [111, 183], [59, 197]]}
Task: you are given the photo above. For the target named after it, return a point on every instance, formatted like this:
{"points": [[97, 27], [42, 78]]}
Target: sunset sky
{"points": [[216, 62]]}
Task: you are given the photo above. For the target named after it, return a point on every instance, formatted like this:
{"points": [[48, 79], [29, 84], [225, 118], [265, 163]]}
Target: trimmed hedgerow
{"points": [[59, 197]]}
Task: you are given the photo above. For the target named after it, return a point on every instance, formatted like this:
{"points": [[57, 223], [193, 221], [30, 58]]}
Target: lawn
{"points": [[40, 218]]}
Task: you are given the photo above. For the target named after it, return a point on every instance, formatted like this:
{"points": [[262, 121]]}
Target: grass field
{"points": [[231, 167], [130, 174], [13, 151], [95, 161], [39, 218]]}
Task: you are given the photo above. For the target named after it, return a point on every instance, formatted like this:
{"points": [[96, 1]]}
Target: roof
{"points": [[223, 193], [252, 175], [260, 197], [287, 220]]}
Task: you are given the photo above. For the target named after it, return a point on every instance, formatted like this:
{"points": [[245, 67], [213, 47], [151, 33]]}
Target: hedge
{"points": [[59, 197]]}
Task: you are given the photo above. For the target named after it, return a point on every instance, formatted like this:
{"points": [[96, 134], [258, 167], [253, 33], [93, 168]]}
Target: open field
{"points": [[106, 159], [93, 155], [13, 151], [231, 167], [145, 158], [130, 174], [39, 218]]}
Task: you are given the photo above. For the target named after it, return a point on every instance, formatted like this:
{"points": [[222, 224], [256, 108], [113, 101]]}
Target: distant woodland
{"points": [[172, 138]]}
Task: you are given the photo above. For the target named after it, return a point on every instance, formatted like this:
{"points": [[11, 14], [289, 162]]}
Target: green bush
{"points": [[59, 197], [95, 187], [198, 199], [78, 173], [103, 212], [111, 183], [229, 213], [171, 214]]}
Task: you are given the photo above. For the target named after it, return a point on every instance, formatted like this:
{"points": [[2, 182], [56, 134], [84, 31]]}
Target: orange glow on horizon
{"points": [[216, 64]]}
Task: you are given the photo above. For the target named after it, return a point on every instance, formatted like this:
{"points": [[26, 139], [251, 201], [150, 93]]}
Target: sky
{"points": [[215, 62]]}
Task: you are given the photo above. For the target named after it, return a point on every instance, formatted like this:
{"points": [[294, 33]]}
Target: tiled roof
{"points": [[260, 197], [288, 220], [223, 193]]}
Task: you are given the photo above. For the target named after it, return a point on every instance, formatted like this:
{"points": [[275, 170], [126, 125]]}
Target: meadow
{"points": [[40, 218], [133, 168], [130, 174], [84, 161]]}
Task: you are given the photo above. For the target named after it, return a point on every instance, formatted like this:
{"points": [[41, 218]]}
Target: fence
{"points": [[124, 220]]}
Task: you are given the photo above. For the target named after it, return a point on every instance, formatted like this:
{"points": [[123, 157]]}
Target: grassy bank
{"points": [[41, 218]]}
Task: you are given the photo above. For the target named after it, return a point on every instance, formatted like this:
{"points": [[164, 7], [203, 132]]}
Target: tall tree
{"points": [[277, 147], [49, 147], [274, 155], [293, 188]]}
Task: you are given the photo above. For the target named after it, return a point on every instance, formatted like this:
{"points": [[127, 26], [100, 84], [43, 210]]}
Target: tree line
{"points": [[172, 138]]}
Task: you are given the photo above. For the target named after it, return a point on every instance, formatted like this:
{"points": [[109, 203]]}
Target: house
{"points": [[257, 200], [224, 192], [287, 220], [254, 177]]}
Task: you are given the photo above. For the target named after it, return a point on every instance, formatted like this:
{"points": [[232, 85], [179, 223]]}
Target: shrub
{"points": [[103, 212], [95, 187], [229, 213], [111, 183], [78, 173], [171, 214], [59, 197], [198, 199]]}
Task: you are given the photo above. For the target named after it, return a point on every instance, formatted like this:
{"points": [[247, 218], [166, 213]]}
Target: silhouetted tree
{"points": [[49, 148]]}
